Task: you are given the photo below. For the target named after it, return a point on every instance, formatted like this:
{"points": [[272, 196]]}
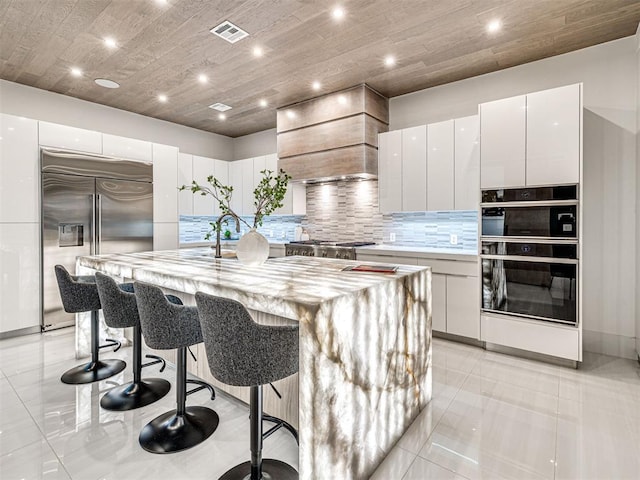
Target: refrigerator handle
{"points": [[92, 248], [98, 221]]}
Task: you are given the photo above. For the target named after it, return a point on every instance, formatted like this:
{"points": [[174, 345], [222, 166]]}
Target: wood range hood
{"points": [[332, 137]]}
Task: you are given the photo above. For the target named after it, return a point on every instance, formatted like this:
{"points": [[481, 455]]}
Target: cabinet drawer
{"points": [[532, 336], [386, 259], [450, 267]]}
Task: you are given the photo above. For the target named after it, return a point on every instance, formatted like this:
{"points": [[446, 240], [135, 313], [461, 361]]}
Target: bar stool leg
{"points": [[138, 393], [183, 427], [96, 369], [257, 468]]}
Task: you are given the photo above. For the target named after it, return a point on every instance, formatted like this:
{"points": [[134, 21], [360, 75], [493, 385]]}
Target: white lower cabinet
{"points": [[533, 336], [438, 302], [276, 250], [19, 276], [455, 291], [463, 306]]}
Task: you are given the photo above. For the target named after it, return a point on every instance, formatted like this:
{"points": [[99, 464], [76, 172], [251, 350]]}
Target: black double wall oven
{"points": [[529, 253]]}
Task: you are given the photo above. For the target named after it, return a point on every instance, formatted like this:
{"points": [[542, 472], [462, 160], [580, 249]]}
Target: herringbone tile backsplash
{"points": [[348, 211]]}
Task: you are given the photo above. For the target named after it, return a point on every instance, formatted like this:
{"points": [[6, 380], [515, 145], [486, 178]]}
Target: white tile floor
{"points": [[492, 416]]}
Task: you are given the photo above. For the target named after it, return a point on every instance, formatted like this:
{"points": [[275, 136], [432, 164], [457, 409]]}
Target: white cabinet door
{"points": [[259, 164], [438, 302], [165, 183], [69, 138], [467, 163], [440, 171], [390, 171], [553, 136], [502, 143], [463, 306], [165, 236], [19, 170], [221, 172], [248, 187], [202, 168], [235, 181], [185, 177], [129, 148], [19, 276], [414, 168]]}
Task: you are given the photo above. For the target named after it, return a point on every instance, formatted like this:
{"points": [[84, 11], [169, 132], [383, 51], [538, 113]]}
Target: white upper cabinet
{"points": [[202, 168], [165, 183], [414, 168], [295, 200], [502, 146], [553, 136], [19, 170], [390, 171], [69, 138], [440, 169], [248, 185], [221, 172], [467, 163], [185, 177], [235, 181], [129, 148]]}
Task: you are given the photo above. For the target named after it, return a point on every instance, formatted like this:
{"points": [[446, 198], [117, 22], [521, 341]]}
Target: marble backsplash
{"points": [[348, 211]]}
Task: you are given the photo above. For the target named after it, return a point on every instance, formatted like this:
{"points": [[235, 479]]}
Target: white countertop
{"points": [[420, 252]]}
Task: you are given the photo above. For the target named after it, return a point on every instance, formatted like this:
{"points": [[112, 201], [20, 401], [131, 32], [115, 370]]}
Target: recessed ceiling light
{"points": [[316, 85], [342, 100], [202, 78], [106, 83], [110, 42], [163, 98], [263, 103], [222, 116], [291, 114], [343, 177], [338, 13], [257, 51], [389, 60], [76, 72], [493, 26]]}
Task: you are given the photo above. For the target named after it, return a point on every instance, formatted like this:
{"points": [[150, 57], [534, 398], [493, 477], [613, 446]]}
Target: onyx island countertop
{"points": [[365, 343]]}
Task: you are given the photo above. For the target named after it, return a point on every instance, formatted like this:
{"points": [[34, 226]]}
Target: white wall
{"points": [[20, 100], [638, 190], [608, 72], [255, 145]]}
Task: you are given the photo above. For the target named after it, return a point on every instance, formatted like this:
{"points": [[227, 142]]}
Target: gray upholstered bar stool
{"points": [[80, 294], [244, 353], [121, 311], [167, 326]]}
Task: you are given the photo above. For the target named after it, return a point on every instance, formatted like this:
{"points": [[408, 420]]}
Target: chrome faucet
{"points": [[219, 227]]}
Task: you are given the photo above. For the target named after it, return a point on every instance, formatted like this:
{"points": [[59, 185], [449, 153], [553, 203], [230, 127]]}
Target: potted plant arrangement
{"points": [[253, 248]]}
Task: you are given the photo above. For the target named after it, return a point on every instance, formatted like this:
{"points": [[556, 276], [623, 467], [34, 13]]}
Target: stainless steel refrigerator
{"points": [[90, 205]]}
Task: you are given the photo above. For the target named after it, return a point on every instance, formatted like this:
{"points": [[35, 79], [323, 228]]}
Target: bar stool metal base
{"points": [[93, 371], [171, 432], [134, 395], [271, 470]]}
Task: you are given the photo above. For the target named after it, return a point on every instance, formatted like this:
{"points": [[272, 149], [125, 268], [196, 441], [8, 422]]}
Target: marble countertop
{"points": [[277, 286], [421, 252]]}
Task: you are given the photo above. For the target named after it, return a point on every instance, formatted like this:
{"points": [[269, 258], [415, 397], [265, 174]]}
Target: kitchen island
{"points": [[365, 344]]}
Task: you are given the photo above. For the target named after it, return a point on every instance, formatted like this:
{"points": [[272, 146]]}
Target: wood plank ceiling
{"points": [[163, 45]]}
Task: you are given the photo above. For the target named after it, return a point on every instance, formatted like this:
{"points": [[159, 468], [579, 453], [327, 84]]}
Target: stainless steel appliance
{"points": [[529, 253], [547, 212], [323, 248], [90, 205]]}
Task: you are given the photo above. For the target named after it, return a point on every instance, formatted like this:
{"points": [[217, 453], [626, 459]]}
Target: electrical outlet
{"points": [[453, 239], [392, 237]]}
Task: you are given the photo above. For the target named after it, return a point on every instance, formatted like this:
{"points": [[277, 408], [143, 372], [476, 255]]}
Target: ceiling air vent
{"points": [[229, 32], [221, 107]]}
